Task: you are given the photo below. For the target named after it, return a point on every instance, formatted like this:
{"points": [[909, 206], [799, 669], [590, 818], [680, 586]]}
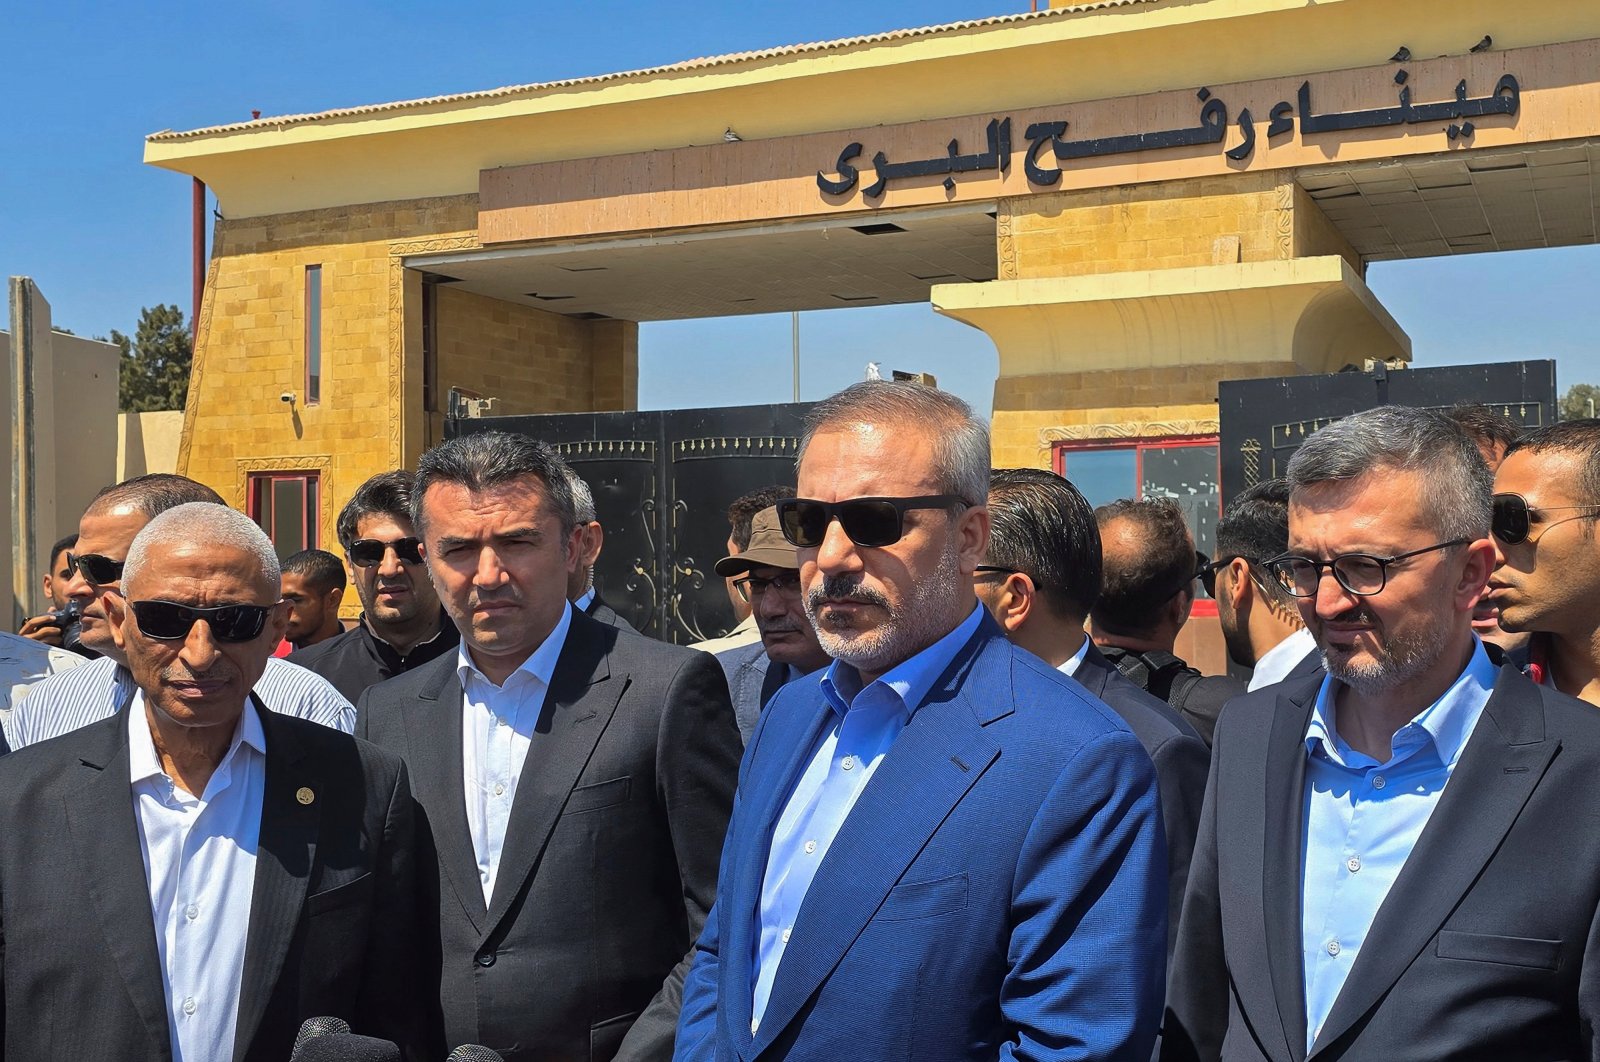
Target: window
{"points": [[1184, 469], [313, 388], [286, 504]]}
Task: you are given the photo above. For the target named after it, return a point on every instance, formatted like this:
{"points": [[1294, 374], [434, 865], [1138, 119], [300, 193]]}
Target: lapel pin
{"points": [[305, 795]]}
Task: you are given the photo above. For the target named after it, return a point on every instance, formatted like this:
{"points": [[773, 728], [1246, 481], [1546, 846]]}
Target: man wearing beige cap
{"points": [[768, 577]]}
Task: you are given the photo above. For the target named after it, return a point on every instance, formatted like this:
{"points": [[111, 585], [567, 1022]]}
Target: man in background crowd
{"points": [[313, 584], [591, 538], [1146, 593], [1547, 580], [741, 514], [47, 627], [767, 575], [104, 687], [1495, 433], [1261, 623], [402, 625], [1039, 580]]}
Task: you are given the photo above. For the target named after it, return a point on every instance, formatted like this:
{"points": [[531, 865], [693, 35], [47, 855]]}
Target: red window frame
{"points": [[1203, 606], [310, 503]]}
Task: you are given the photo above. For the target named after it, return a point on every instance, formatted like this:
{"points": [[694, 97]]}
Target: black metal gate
{"points": [[1263, 422], [662, 482]]}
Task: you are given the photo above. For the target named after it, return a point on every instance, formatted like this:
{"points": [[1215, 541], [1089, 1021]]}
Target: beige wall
{"points": [[148, 442]]}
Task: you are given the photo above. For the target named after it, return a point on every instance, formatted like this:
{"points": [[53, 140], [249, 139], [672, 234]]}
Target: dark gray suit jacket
{"points": [[603, 612], [1487, 946], [332, 919], [610, 858], [1182, 760]]}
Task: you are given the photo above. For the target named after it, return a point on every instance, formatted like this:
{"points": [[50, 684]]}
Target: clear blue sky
{"points": [[104, 234]]}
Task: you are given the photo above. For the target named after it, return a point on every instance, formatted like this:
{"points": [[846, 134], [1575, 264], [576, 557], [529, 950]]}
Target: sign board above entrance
{"points": [[1492, 99]]}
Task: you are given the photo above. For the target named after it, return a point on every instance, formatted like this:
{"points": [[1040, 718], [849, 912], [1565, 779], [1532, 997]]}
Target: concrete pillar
{"points": [[614, 349]]}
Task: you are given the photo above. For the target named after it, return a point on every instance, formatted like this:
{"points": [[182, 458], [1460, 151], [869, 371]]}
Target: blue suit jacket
{"points": [[998, 890]]}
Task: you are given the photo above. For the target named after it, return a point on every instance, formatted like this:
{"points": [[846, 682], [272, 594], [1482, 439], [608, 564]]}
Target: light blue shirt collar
{"points": [[908, 681], [541, 663], [1446, 723]]}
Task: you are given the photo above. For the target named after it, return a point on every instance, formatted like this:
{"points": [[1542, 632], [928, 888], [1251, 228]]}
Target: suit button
{"points": [[485, 959]]}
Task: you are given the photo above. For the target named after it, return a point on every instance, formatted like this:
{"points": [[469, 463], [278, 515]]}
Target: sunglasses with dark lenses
{"points": [[868, 521], [368, 552], [101, 571], [751, 587], [168, 621], [1511, 517], [1208, 571]]}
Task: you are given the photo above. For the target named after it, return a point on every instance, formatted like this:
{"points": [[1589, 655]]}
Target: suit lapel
{"points": [[105, 837], [935, 761], [285, 856], [1281, 869], [1503, 762], [433, 756], [583, 696]]}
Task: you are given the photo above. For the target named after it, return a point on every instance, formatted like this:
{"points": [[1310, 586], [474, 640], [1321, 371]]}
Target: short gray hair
{"points": [[582, 498], [1456, 484], [960, 439], [203, 524], [485, 460]]}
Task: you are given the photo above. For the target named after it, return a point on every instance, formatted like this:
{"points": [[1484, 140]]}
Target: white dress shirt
{"points": [[1070, 665], [200, 864], [1276, 663], [496, 731]]}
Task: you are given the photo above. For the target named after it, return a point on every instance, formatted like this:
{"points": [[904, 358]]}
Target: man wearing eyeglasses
{"points": [[1547, 576], [942, 849], [194, 878], [1396, 860], [767, 575], [105, 687], [402, 625]]}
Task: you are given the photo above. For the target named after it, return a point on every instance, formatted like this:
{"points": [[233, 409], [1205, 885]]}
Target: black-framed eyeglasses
{"points": [[751, 587], [168, 621], [1361, 574], [868, 521], [1208, 571], [1511, 517], [99, 570], [368, 552]]}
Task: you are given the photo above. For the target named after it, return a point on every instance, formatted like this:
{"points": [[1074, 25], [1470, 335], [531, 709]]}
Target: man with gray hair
{"points": [[196, 877], [103, 687], [943, 848], [1396, 859], [575, 779], [581, 590]]}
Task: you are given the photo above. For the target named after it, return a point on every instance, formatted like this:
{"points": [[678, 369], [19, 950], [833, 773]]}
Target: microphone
{"points": [[474, 1053], [312, 1028], [347, 1047]]}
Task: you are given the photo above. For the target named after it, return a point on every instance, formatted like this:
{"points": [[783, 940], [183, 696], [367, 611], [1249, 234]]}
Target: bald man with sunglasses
{"points": [[402, 624]]}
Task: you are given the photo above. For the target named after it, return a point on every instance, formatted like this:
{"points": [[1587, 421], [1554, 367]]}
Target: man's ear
{"points": [[117, 617], [594, 536], [972, 537], [1016, 602], [1239, 584], [1180, 605], [335, 597], [278, 620]]}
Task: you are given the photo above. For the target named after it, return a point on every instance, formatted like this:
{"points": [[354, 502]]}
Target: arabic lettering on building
{"points": [[1212, 128]]}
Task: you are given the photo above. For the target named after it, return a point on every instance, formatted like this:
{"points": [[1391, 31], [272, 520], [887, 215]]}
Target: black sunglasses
{"points": [[1511, 517], [168, 621], [368, 552], [101, 571], [751, 587], [1361, 574], [868, 521], [1208, 571]]}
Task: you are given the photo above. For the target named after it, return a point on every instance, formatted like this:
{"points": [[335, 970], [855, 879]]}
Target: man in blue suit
{"points": [[941, 848]]}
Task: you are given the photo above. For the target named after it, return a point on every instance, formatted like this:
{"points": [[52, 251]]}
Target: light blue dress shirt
{"points": [[1363, 819], [844, 761]]}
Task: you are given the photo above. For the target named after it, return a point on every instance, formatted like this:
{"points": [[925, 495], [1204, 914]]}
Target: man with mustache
{"points": [[943, 848], [1396, 859], [105, 686], [402, 625], [192, 879], [575, 779], [767, 574], [1547, 576], [1495, 433]]}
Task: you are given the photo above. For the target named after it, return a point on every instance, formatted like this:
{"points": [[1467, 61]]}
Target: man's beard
{"points": [[1398, 659], [906, 630]]}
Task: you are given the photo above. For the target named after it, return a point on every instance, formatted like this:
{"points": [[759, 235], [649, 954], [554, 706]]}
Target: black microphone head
{"points": [[346, 1047], [474, 1053], [312, 1028]]}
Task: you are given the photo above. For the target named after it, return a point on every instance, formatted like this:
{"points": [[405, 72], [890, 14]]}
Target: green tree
{"points": [[154, 372], [1581, 400]]}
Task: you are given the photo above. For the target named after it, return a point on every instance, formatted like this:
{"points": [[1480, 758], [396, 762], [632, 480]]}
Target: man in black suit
{"points": [[1039, 580], [1396, 861], [575, 780], [581, 591], [191, 879]]}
